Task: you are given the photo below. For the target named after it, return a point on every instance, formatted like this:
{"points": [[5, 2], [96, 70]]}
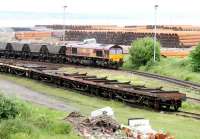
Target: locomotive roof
{"points": [[92, 45]]}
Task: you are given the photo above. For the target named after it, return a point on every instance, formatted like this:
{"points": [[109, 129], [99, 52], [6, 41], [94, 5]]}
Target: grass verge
{"points": [[178, 126], [34, 122], [172, 67]]}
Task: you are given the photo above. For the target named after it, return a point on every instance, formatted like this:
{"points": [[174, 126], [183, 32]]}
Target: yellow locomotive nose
{"points": [[116, 57]]}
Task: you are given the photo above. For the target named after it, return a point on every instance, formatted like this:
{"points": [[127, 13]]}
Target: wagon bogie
{"points": [[25, 51]]}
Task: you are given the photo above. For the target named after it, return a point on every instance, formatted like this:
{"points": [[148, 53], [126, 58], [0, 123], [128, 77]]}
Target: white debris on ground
{"points": [[107, 110], [141, 126], [102, 125]]}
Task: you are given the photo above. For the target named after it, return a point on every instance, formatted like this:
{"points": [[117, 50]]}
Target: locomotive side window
{"points": [[74, 50], [99, 53], [106, 53]]}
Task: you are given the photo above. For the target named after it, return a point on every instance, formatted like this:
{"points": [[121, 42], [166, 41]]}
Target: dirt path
{"points": [[12, 89]]}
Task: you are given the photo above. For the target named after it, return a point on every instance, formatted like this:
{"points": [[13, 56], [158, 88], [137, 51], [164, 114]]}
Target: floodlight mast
{"points": [[155, 33], [64, 24]]}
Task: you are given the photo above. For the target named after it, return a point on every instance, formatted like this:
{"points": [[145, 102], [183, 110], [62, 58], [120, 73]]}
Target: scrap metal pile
{"points": [[104, 126], [155, 98], [97, 126]]}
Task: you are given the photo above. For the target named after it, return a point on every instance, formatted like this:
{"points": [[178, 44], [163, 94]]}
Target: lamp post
{"points": [[155, 33], [64, 28]]}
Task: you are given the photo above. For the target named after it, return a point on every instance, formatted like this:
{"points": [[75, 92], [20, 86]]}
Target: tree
{"points": [[195, 58], [142, 51]]}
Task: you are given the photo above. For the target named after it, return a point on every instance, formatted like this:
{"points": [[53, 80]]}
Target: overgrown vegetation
{"points": [[8, 109], [195, 58], [22, 120], [173, 67], [141, 53], [185, 69]]}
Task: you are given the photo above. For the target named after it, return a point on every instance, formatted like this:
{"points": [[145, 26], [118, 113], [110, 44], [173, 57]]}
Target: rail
{"points": [[193, 99], [189, 84], [188, 114]]}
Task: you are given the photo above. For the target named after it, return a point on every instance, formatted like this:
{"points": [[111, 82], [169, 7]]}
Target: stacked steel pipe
{"points": [[123, 38], [169, 36]]}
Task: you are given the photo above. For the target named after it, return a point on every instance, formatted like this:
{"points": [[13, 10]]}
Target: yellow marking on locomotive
{"points": [[116, 57]]}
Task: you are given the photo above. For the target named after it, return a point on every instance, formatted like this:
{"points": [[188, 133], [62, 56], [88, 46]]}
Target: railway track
{"points": [[188, 115], [192, 85], [188, 84], [193, 99]]}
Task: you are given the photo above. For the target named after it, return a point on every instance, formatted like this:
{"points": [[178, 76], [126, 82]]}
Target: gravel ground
{"points": [[12, 89]]}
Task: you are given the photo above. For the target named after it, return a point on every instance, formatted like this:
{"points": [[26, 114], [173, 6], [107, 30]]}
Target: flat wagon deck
{"points": [[156, 98]]}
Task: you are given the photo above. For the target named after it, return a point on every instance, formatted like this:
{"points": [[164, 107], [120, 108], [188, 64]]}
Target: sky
{"points": [[119, 12]]}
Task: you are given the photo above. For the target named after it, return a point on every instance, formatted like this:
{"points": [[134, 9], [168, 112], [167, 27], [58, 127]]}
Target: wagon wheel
{"points": [[156, 105], [63, 60], [94, 91], [168, 107], [176, 107]]}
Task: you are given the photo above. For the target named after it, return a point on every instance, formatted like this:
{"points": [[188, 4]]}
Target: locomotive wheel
{"points": [[114, 66]]}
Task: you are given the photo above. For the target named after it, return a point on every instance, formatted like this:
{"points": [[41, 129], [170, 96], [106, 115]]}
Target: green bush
{"points": [[21, 120], [195, 58], [8, 108], [32, 126], [14, 126], [142, 51]]}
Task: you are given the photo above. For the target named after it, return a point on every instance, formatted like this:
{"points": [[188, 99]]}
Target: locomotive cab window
{"points": [[74, 50], [99, 53], [115, 51]]}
